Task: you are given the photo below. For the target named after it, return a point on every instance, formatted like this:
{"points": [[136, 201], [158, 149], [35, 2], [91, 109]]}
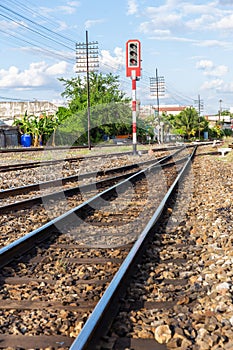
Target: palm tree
{"points": [[187, 122]]}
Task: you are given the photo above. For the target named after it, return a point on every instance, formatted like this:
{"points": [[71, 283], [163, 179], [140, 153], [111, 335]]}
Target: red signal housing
{"points": [[133, 58]]}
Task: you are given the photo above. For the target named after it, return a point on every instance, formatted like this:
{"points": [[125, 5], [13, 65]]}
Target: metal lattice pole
{"points": [[87, 61], [157, 87], [200, 105]]}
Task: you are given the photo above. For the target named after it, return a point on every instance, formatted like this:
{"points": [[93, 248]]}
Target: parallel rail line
{"points": [[103, 315], [75, 178]]}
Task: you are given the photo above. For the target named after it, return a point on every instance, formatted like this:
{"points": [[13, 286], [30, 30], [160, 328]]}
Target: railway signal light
{"points": [[133, 58], [133, 54]]}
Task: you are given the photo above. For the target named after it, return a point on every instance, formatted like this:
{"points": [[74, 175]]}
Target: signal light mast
{"points": [[133, 70]]}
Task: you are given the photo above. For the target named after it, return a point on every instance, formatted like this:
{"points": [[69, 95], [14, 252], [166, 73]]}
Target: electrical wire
{"points": [[38, 48], [37, 25], [34, 31], [56, 38]]}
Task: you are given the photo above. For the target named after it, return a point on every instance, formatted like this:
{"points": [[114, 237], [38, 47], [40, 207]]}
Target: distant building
{"points": [[10, 110], [171, 109], [214, 118], [148, 110], [145, 111]]}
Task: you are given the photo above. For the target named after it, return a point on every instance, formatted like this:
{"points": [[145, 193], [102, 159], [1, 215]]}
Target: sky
{"points": [[189, 43]]}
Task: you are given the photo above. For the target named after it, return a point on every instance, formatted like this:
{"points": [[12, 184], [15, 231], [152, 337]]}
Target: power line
{"points": [[36, 24], [38, 33], [34, 31], [41, 49], [40, 30]]}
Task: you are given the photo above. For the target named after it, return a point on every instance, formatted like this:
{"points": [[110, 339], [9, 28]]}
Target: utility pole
{"points": [[157, 87], [87, 61], [200, 106], [220, 109]]}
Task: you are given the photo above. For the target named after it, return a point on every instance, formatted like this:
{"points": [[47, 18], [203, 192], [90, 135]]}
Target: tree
{"points": [[110, 109], [187, 123]]}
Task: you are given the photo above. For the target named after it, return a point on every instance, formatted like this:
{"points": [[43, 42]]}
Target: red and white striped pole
{"points": [[134, 112], [133, 70]]}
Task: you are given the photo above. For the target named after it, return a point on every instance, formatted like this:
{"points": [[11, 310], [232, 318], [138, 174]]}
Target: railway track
{"points": [[62, 168], [26, 191], [19, 217], [127, 290], [53, 277], [57, 158]]}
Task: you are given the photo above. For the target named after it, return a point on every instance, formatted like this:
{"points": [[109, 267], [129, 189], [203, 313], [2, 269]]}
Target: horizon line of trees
{"points": [[111, 115]]}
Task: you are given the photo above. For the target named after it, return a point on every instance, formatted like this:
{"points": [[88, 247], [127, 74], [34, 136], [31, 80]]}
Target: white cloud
{"points": [[213, 43], [205, 64], [208, 9], [182, 18], [213, 84], [74, 3], [9, 25], [62, 26], [69, 9], [132, 7], [57, 68], [225, 23], [162, 33], [92, 22], [209, 69], [218, 71], [226, 2], [37, 75], [218, 85], [112, 62], [200, 22], [160, 21]]}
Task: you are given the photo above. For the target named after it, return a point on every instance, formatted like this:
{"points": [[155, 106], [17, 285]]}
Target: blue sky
{"points": [[190, 43]]}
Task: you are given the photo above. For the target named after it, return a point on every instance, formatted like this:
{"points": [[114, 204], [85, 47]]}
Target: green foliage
{"points": [[106, 119], [39, 127], [216, 132], [228, 132], [110, 111], [187, 123], [103, 89], [23, 124]]}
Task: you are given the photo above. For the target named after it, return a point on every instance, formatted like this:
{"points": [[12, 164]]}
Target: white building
{"points": [[9, 110]]}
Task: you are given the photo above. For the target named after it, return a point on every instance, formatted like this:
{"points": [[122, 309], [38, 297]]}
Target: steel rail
{"points": [[28, 165], [39, 149], [62, 181], [95, 324], [36, 164], [25, 203], [60, 194], [26, 242], [58, 148]]}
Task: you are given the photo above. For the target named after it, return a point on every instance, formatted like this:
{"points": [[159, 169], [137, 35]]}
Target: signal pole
{"points": [[87, 61], [133, 70], [134, 114]]}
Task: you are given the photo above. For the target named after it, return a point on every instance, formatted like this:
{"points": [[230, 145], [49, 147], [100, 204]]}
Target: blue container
{"points": [[205, 135], [26, 140]]}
